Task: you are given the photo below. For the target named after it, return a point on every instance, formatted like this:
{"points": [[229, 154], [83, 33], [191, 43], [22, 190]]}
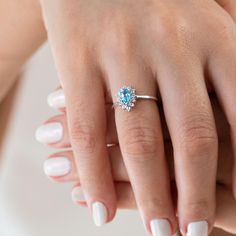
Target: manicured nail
{"points": [[56, 99], [77, 195], [49, 133], [99, 213], [160, 227], [57, 166], [199, 228]]}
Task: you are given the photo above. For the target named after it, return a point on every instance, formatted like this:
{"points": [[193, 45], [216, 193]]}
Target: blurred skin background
{"points": [[30, 204]]}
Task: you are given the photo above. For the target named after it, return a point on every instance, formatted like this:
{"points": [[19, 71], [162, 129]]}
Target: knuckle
{"points": [[157, 203], [83, 137], [200, 207], [118, 44], [198, 135], [118, 36], [140, 142], [226, 33], [222, 31], [175, 29]]}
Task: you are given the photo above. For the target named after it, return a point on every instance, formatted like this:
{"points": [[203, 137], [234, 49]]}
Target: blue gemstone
{"points": [[126, 96]]}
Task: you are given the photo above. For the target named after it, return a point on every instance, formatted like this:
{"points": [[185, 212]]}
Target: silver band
{"points": [[111, 145], [146, 97]]}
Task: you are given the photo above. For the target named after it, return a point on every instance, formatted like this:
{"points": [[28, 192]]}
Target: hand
{"points": [[38, 27], [229, 6], [61, 167], [164, 53]]}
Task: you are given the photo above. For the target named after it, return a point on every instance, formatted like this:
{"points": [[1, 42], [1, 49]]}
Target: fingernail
{"points": [[77, 195], [49, 133], [99, 213], [56, 99], [160, 227], [57, 166], [199, 228]]}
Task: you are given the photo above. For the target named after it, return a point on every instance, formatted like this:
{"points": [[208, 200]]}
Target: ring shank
{"points": [[147, 97]]}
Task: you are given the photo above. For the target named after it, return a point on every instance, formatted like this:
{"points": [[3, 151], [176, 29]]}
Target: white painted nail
{"points": [[199, 228], [57, 166], [56, 99], [49, 133], [160, 227], [77, 195], [99, 213]]}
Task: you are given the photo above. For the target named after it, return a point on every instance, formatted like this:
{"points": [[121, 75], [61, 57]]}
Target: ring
{"points": [[111, 145], [127, 97]]}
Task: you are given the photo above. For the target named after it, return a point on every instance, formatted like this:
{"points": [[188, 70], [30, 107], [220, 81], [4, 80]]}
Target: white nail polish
{"points": [[56, 99], [199, 228], [99, 213], [49, 133], [160, 227], [77, 195], [57, 166]]}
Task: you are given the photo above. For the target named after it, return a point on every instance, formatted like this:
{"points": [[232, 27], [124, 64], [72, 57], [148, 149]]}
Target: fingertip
{"points": [[49, 133], [57, 166], [77, 195], [100, 213], [161, 227], [196, 228], [56, 99]]}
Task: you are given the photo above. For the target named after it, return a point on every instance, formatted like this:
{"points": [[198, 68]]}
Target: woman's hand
{"points": [[229, 6], [61, 167], [162, 48]]}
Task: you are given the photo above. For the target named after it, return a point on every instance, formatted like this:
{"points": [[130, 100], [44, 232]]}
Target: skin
{"points": [[28, 36], [166, 54], [226, 205], [22, 32]]}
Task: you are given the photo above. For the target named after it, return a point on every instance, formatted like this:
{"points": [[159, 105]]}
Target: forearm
{"points": [[22, 32]]}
